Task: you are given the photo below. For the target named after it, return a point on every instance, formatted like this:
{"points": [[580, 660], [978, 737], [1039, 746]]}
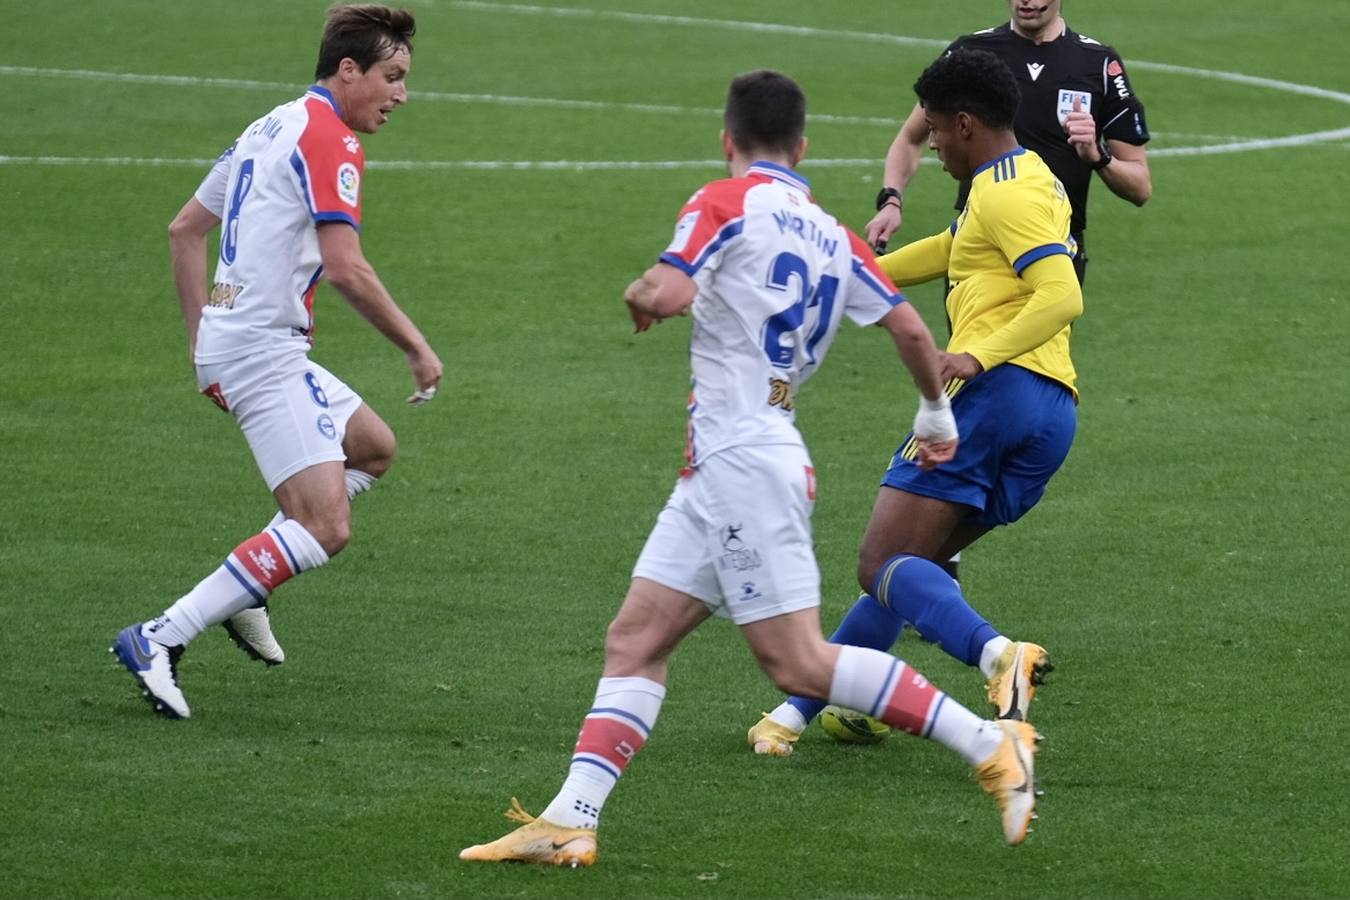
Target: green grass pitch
{"points": [[1187, 568]]}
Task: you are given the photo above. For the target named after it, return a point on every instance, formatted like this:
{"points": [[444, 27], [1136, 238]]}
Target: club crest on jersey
{"points": [[1065, 105], [348, 183]]}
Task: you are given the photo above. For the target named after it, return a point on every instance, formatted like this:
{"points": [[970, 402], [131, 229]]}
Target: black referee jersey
{"points": [[1050, 76]]}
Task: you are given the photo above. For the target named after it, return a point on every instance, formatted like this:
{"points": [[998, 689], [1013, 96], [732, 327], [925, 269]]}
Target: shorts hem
{"points": [[779, 609], [665, 582], [275, 481], [933, 492]]}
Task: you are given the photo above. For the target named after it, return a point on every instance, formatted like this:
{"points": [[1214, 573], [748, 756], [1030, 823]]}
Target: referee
{"points": [[1078, 112]]}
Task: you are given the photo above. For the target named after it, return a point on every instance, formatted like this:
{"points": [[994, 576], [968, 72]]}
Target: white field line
{"points": [[1243, 146], [864, 36], [545, 165], [443, 96], [634, 165], [693, 21], [1227, 144]]}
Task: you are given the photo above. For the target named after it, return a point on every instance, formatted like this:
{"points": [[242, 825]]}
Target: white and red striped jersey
{"points": [[775, 274], [296, 167]]}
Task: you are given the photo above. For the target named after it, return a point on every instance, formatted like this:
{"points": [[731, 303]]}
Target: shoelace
{"points": [[517, 813]]}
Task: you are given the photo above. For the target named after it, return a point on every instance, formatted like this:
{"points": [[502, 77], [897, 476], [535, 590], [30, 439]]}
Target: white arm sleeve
{"points": [[211, 192]]}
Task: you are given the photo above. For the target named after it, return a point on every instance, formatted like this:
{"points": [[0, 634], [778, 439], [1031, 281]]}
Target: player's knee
{"points": [[869, 564], [332, 532], [380, 464], [629, 647]]}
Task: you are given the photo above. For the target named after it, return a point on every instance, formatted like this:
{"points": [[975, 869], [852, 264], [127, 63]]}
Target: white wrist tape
{"points": [[934, 420]]}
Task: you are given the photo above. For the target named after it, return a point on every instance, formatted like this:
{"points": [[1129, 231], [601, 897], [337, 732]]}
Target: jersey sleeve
{"points": [[211, 192], [1122, 116], [1022, 225], [330, 164], [711, 219], [869, 293]]}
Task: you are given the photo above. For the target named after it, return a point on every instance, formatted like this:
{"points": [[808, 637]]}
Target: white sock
{"points": [[959, 729], [614, 730], [358, 482], [246, 578], [887, 689], [990, 652], [789, 717]]}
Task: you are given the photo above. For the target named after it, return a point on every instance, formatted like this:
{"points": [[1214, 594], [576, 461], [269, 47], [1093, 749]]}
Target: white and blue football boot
{"points": [[155, 666]]}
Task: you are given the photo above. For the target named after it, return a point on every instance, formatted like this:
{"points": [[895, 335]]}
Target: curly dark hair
{"points": [[366, 33], [766, 110], [970, 81]]}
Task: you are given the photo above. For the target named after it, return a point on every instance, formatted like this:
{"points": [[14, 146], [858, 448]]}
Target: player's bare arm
{"points": [[902, 161], [187, 249], [933, 426], [661, 292], [346, 267], [1126, 173]]}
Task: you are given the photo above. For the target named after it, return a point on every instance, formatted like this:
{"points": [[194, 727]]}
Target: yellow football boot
{"points": [[1018, 670], [537, 841], [768, 738], [1009, 775]]}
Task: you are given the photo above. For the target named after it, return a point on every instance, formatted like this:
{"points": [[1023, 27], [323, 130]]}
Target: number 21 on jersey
{"points": [[810, 314]]}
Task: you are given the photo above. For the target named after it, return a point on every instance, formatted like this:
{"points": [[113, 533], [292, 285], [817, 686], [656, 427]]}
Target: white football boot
{"points": [[251, 631]]}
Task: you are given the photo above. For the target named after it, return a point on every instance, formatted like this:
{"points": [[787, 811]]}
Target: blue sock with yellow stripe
{"points": [[919, 591], [868, 624]]}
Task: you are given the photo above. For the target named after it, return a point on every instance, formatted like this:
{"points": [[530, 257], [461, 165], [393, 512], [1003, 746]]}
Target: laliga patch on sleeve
{"points": [[1114, 68], [1066, 99], [348, 183], [684, 229]]}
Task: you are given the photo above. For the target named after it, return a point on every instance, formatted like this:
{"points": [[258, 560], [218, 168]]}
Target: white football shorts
{"points": [[736, 534], [292, 410]]}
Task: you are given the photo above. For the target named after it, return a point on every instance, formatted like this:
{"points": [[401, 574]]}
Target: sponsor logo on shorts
{"points": [[326, 427], [739, 557]]}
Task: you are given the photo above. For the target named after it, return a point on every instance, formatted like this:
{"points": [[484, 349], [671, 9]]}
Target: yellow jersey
{"points": [[1017, 214]]}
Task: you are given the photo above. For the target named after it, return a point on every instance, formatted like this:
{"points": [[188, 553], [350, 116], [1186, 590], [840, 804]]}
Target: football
{"points": [[852, 727]]}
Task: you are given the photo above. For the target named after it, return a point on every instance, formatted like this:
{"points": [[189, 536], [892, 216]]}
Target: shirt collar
{"points": [[325, 95], [1016, 151], [782, 173]]}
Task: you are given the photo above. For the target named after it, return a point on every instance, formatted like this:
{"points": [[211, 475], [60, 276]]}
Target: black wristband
{"points": [[887, 194]]}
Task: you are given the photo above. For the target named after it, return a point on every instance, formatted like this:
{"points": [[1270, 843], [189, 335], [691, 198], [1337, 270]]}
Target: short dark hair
{"points": [[366, 33], [970, 81], [766, 110]]}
